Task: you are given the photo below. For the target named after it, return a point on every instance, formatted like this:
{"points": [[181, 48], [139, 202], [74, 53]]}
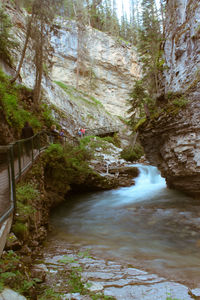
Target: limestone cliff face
{"points": [[107, 69], [172, 139]]}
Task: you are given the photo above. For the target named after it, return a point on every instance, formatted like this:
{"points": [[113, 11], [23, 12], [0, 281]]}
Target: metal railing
{"points": [[15, 160]]}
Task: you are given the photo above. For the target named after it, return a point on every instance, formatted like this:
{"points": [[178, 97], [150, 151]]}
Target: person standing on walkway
{"points": [[27, 132], [62, 136], [80, 132], [54, 134], [83, 132]]}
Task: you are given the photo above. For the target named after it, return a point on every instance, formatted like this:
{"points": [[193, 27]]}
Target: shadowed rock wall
{"points": [[172, 139]]}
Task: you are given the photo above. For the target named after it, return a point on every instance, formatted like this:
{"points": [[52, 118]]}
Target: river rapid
{"points": [[145, 225]]}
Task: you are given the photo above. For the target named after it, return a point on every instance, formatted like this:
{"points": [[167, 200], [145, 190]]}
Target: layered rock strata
{"points": [[107, 69], [172, 139]]}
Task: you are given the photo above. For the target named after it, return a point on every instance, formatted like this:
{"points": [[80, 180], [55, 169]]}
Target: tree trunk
{"points": [[24, 49], [39, 67], [134, 140]]}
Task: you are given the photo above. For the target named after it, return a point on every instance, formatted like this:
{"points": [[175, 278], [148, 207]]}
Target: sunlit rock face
{"points": [[107, 69], [172, 141]]}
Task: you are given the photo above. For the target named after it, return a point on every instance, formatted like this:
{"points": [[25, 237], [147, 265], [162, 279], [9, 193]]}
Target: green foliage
{"points": [[55, 151], [26, 193], [115, 140], [132, 155], [20, 230], [176, 100], [139, 98], [148, 46], [78, 285], [180, 102], [170, 298], [84, 254], [68, 165], [93, 142], [50, 294], [6, 39], [14, 274], [67, 259], [139, 123], [13, 108], [75, 282], [47, 116], [78, 95]]}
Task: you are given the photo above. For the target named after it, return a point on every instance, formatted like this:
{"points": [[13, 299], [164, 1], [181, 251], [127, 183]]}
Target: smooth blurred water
{"points": [[147, 224]]}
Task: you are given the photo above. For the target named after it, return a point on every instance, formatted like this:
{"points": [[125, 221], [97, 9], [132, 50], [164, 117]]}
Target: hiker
{"points": [[27, 132], [83, 132], [53, 134], [79, 132], [62, 136]]}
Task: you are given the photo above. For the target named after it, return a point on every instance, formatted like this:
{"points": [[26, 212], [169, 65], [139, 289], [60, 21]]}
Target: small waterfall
{"points": [[149, 185], [148, 221]]}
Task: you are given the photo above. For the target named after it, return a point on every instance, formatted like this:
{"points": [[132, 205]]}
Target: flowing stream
{"points": [[146, 225]]}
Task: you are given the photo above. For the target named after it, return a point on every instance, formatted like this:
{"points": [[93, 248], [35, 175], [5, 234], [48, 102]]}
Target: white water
{"points": [[147, 223], [148, 185]]}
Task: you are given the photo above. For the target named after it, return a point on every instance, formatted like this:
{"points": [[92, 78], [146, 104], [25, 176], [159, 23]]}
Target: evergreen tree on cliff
{"points": [[38, 27], [149, 45]]}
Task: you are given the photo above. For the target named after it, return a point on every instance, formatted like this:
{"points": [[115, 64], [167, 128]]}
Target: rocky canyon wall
{"points": [[107, 69], [172, 138], [182, 47]]}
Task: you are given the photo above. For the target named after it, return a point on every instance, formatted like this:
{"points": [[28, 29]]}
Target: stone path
{"points": [[111, 278]]}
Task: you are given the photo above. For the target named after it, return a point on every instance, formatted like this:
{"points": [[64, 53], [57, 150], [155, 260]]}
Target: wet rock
{"points": [[149, 292], [8, 294], [95, 286], [195, 293], [75, 296], [118, 280]]}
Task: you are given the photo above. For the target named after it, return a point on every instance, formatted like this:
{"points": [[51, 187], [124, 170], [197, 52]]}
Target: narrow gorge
{"points": [[112, 213]]}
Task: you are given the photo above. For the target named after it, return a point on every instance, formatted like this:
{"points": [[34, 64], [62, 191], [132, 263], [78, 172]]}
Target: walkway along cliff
{"points": [[171, 138]]}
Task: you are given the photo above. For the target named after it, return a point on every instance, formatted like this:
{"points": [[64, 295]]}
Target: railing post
{"points": [[32, 149], [13, 186], [19, 158], [39, 143]]}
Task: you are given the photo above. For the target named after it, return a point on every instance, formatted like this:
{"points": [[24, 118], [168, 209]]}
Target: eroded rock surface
{"points": [[182, 47], [108, 277], [107, 71], [171, 140], [108, 65]]}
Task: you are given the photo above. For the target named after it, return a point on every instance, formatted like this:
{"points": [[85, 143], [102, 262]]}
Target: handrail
{"points": [[20, 156]]}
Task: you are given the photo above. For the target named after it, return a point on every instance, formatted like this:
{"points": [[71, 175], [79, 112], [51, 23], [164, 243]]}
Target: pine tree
{"points": [[38, 28], [149, 45]]}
